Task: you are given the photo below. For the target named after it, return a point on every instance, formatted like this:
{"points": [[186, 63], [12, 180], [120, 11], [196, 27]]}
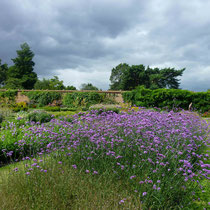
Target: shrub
{"points": [[128, 96], [39, 116], [22, 115], [21, 106]]}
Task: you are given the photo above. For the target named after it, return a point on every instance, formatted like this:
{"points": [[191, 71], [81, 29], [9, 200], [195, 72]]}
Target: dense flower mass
{"points": [[159, 154]]}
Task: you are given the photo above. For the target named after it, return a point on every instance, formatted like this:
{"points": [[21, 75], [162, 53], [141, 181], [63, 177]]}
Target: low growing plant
{"points": [[52, 108], [39, 116]]}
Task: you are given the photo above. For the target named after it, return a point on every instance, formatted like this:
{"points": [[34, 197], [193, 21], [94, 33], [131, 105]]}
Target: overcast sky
{"points": [[81, 41]]}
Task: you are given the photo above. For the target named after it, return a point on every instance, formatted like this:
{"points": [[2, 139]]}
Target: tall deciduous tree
{"points": [[125, 77], [22, 70]]}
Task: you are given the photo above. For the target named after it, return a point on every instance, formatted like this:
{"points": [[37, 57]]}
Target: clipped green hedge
{"points": [[43, 98], [168, 98], [82, 99]]}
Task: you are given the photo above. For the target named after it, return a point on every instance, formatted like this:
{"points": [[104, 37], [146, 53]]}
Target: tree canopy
{"points": [[52, 84], [125, 77], [21, 74], [3, 73], [88, 86]]}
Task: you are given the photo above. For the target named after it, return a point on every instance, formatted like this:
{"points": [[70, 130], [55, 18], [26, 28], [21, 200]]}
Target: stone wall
{"points": [[116, 95]]}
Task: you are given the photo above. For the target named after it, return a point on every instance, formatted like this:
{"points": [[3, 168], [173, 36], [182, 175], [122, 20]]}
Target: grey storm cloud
{"points": [[81, 41]]}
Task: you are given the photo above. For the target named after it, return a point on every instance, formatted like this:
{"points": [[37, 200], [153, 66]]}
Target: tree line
{"points": [[21, 75]]}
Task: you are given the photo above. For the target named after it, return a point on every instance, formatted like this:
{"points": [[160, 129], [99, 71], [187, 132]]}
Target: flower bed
{"points": [[160, 155]]}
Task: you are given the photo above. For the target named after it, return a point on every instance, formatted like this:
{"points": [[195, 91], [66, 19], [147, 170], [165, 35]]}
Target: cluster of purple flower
{"points": [[156, 152]]}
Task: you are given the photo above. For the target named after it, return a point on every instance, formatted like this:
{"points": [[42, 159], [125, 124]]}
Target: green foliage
{"points": [[3, 73], [68, 109], [8, 96], [1, 118], [52, 108], [11, 133], [7, 113], [63, 114], [49, 84], [168, 98], [70, 87], [128, 96], [21, 106], [125, 77], [100, 108], [43, 98], [39, 116], [21, 75], [82, 99], [88, 86], [109, 100]]}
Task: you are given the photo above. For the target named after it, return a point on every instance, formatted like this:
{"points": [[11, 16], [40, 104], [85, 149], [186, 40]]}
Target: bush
{"points": [[21, 106], [168, 98], [52, 108], [39, 116]]}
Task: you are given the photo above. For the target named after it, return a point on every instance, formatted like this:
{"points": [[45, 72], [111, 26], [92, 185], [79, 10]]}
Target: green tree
{"points": [[169, 77], [117, 76], [88, 86], [22, 70], [70, 87], [133, 77], [125, 77], [49, 84], [3, 73]]}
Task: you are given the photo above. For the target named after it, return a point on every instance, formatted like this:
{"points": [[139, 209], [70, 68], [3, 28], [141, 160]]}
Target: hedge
{"points": [[168, 98]]}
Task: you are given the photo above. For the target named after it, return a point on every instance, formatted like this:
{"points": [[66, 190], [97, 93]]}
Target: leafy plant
{"points": [[8, 97], [100, 108], [82, 99], [39, 116], [52, 108], [21, 106], [43, 98], [1, 118]]}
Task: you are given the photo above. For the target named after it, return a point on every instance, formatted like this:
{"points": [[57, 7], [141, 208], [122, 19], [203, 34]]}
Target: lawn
{"points": [[141, 159]]}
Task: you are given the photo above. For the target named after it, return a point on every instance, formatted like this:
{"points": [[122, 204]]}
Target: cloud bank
{"points": [[81, 41]]}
